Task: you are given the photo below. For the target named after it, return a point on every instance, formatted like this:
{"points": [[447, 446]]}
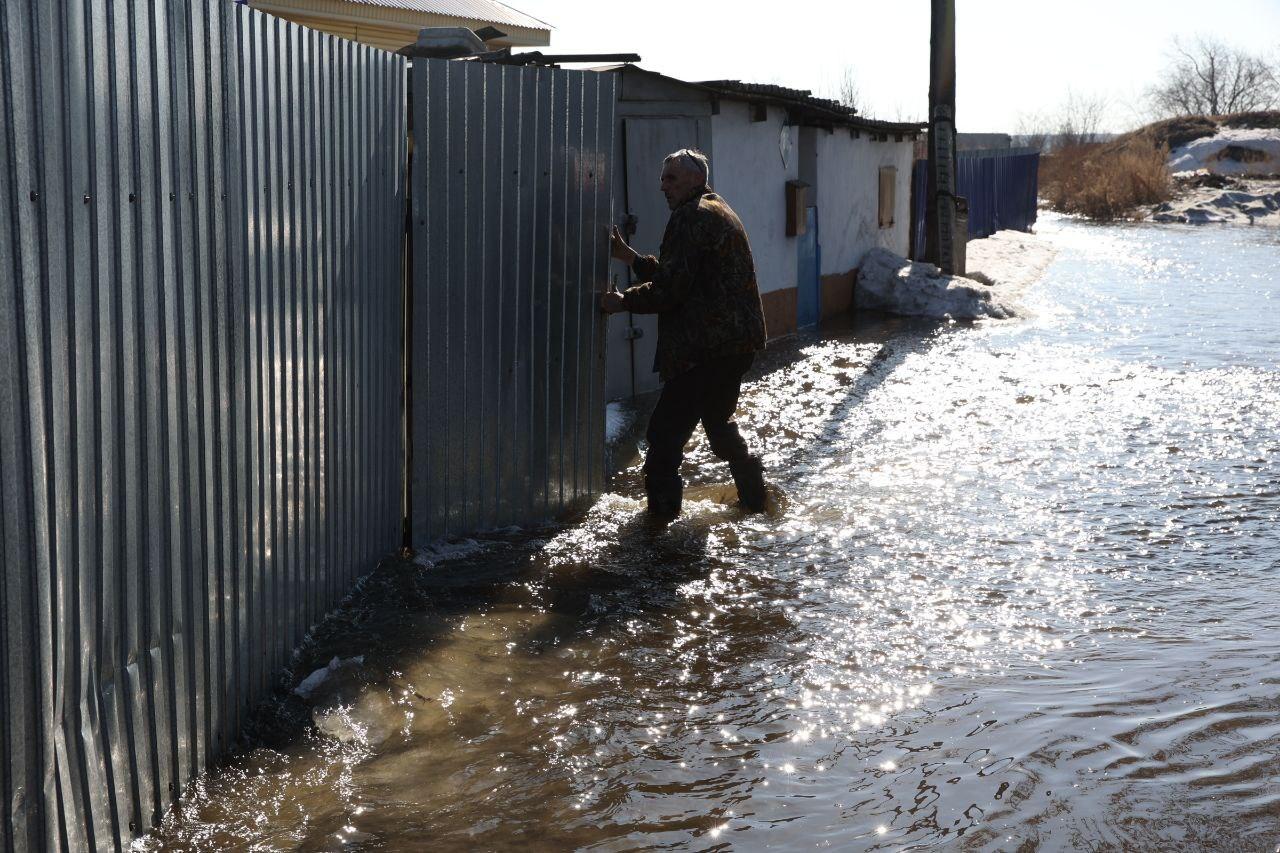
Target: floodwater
{"points": [[1021, 595]]}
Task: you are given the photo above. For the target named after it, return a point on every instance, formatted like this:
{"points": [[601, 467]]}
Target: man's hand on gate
{"points": [[619, 249], [612, 302]]}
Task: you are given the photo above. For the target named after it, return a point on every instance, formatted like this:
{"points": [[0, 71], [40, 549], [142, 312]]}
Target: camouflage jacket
{"points": [[702, 286]]}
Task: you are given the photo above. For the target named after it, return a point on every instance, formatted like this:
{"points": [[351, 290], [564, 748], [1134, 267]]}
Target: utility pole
{"points": [[940, 211]]}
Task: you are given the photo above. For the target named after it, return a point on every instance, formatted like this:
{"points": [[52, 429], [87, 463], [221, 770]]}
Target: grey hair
{"points": [[691, 159]]}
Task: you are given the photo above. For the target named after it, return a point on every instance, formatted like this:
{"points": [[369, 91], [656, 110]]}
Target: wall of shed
{"points": [[748, 170], [749, 173], [848, 200]]}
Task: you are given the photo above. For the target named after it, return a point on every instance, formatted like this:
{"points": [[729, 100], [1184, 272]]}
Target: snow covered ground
{"points": [[1000, 268], [1011, 261], [1231, 151], [1253, 202], [1244, 155]]}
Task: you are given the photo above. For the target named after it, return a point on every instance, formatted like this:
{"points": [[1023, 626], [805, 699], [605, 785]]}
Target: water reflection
{"points": [[1020, 596]]}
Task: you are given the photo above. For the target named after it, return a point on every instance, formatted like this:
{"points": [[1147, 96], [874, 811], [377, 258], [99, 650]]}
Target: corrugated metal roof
{"points": [[488, 11]]}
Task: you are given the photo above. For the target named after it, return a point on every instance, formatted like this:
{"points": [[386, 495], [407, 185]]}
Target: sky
{"points": [[1015, 58]]}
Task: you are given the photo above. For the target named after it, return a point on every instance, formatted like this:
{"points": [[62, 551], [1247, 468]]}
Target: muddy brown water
{"points": [[1021, 595]]}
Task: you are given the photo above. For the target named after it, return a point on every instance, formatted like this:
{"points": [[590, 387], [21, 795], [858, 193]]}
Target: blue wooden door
{"points": [[809, 254]]}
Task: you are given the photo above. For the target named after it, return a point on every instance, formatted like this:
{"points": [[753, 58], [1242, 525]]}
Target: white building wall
{"points": [[848, 198], [748, 172]]}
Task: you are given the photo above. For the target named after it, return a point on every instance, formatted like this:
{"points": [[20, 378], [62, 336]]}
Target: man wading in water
{"points": [[703, 288]]}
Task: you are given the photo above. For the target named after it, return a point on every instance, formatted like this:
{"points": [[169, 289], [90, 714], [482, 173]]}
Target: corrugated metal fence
{"points": [[511, 204], [199, 395], [1000, 186]]}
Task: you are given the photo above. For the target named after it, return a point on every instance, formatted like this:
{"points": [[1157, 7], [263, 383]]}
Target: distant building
{"points": [[983, 141], [968, 142], [392, 24], [1048, 142]]}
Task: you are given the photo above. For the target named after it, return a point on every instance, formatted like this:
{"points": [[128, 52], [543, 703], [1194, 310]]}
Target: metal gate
{"points": [[511, 203], [200, 269]]}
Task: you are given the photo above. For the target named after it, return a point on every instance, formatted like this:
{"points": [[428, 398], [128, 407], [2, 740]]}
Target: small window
{"points": [[888, 185]]}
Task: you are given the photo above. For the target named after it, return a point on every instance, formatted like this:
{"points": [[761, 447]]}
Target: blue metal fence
{"points": [[1000, 186]]}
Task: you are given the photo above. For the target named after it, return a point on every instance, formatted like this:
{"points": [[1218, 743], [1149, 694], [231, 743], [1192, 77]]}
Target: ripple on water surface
{"points": [[1020, 594]]}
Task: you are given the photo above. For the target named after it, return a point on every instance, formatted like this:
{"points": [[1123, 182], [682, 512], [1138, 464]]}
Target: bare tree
{"points": [[906, 115], [847, 91], [1208, 77], [1079, 120], [1033, 130]]}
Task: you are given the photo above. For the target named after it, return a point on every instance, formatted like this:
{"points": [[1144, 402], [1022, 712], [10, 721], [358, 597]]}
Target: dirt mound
{"points": [[1177, 132], [1172, 132], [1266, 120]]}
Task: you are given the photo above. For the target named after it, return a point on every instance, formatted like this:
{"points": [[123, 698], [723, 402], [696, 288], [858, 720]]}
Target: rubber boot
{"points": [[748, 476], [665, 496]]}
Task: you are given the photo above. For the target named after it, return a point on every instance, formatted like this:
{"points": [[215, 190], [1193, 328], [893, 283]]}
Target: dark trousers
{"points": [[707, 393]]}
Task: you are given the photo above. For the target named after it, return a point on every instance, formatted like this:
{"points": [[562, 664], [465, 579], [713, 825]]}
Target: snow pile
{"points": [[1011, 261], [1231, 151], [889, 282], [1253, 203]]}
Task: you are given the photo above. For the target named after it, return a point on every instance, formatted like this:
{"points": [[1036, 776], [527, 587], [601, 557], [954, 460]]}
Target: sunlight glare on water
{"points": [[1019, 594]]}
